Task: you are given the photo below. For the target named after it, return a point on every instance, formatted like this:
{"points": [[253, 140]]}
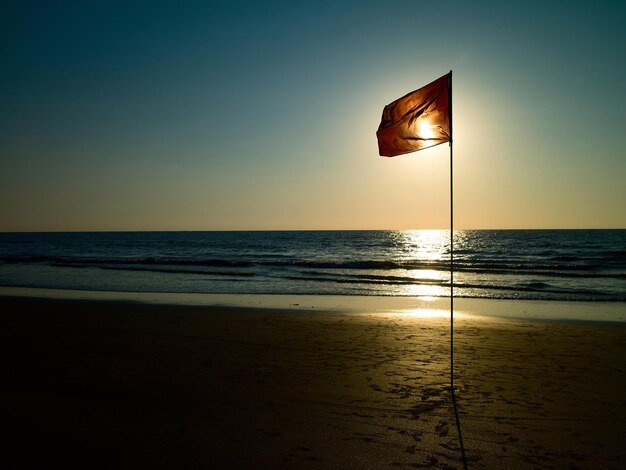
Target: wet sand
{"points": [[106, 384]]}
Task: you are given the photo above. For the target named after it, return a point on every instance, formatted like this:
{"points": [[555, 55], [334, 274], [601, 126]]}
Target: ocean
{"points": [[563, 265]]}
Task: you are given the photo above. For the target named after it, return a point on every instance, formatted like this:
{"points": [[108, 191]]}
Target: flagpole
{"points": [[398, 134], [451, 242]]}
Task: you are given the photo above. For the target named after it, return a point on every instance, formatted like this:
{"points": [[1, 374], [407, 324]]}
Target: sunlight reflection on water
{"points": [[425, 245], [428, 245]]}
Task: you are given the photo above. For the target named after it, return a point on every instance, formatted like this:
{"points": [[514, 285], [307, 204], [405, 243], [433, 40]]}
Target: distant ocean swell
{"points": [[548, 265], [547, 268]]}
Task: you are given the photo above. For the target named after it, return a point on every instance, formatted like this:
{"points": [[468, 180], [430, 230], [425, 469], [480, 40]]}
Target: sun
{"points": [[425, 130]]}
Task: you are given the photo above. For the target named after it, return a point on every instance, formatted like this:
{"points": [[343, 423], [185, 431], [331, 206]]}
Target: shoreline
{"points": [[109, 384], [519, 309]]}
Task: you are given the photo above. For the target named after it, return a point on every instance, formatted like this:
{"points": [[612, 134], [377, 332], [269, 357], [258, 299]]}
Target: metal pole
{"points": [[451, 242], [451, 275]]}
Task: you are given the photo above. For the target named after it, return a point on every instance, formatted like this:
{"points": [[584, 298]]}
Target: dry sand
{"points": [[103, 384]]}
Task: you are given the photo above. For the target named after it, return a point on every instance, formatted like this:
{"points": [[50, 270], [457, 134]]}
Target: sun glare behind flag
{"points": [[418, 120]]}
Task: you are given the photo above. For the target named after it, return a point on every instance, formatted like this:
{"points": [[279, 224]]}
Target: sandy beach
{"points": [[111, 384]]}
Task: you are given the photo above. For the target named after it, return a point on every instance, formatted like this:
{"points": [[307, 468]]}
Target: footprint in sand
{"points": [[442, 429]]}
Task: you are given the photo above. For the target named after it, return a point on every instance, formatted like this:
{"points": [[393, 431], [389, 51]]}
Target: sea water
{"points": [[586, 265]]}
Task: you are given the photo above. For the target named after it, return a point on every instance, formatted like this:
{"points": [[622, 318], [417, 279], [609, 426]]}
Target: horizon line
{"points": [[307, 230]]}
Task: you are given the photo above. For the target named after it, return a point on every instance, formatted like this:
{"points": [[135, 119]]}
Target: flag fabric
{"points": [[418, 120]]}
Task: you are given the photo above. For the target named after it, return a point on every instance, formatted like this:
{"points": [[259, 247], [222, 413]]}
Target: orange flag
{"points": [[418, 120]]}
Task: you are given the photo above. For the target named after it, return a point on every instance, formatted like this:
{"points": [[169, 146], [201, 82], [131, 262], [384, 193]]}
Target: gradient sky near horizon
{"points": [[178, 115]]}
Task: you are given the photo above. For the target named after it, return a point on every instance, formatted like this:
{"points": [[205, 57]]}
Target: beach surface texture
{"points": [[120, 384]]}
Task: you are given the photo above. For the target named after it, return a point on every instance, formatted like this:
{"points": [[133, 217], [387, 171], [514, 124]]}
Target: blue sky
{"points": [[251, 115]]}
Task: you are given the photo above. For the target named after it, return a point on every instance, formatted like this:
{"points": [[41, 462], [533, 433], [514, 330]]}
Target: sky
{"points": [[200, 115]]}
